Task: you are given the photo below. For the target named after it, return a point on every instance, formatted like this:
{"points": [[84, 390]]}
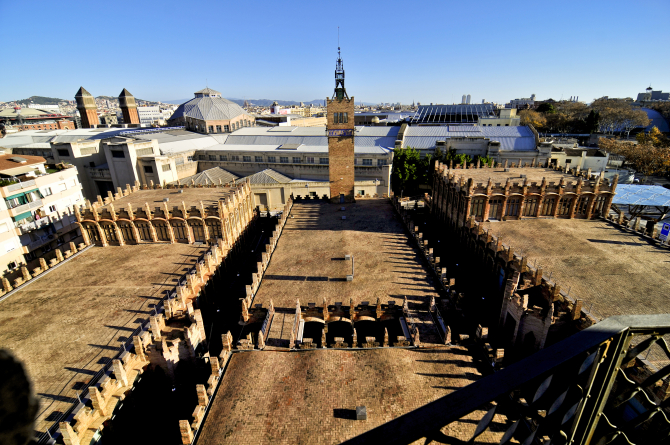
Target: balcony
{"points": [[100, 173], [29, 227], [44, 239], [21, 185], [25, 207]]}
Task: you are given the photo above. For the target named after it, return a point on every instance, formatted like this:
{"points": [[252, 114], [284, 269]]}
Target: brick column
{"points": [[556, 203], [540, 202], [487, 206], [589, 210], [608, 204], [119, 235], [573, 206], [101, 233]]}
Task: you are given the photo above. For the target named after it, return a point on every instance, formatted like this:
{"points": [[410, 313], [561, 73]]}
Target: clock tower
{"points": [[340, 130]]}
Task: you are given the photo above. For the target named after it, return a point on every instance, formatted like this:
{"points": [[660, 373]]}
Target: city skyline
{"points": [[496, 54]]}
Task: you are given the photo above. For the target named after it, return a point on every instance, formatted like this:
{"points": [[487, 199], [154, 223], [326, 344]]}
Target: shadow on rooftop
{"points": [[58, 398], [106, 347], [301, 278], [82, 370]]}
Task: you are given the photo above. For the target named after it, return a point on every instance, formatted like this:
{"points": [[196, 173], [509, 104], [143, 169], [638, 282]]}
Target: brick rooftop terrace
{"points": [[190, 196], [274, 396], [620, 273], [307, 264], [309, 397], [65, 325], [499, 175]]}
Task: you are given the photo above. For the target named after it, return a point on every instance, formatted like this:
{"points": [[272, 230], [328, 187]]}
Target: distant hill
{"points": [[268, 102], [41, 100]]}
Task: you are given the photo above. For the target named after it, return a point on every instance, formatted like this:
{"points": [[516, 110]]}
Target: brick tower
{"points": [[87, 108], [340, 129], [128, 108]]}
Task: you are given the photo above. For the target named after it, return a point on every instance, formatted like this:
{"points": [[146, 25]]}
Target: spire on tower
{"points": [[340, 91]]}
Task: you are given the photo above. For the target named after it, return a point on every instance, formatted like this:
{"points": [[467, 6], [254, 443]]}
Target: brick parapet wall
{"points": [[103, 224], [454, 194]]}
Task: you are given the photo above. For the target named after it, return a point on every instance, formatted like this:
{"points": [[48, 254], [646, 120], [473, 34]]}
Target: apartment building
{"points": [[36, 210]]}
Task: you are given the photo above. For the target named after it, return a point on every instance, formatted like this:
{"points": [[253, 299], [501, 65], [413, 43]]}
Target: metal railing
{"points": [[20, 185], [592, 388], [102, 173]]}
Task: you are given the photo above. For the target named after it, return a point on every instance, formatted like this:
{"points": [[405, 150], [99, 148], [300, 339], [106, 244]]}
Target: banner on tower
{"points": [[340, 133]]}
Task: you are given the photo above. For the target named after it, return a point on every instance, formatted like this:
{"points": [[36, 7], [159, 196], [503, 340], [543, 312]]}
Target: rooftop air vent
{"points": [[18, 160]]}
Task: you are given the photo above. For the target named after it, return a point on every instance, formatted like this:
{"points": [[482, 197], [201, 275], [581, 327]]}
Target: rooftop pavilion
{"points": [[67, 324]]}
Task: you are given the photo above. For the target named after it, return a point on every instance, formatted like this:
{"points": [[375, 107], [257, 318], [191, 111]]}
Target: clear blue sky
{"points": [[431, 51]]}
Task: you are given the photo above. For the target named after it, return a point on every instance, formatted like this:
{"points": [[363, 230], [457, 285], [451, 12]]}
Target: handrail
{"points": [[428, 420]]}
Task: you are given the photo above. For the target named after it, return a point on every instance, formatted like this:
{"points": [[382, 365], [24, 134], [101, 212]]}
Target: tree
{"points": [[591, 121], [532, 117], [546, 108], [410, 171], [653, 137], [644, 158], [631, 119]]}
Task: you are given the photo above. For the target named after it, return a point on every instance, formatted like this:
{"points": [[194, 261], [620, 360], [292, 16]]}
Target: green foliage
{"points": [[410, 171], [546, 108], [6, 182], [591, 122]]}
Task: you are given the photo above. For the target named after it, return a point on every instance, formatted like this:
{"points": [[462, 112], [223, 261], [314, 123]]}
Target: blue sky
{"points": [[393, 51]]}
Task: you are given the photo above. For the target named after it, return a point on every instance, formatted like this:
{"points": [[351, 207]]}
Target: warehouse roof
{"points": [[510, 138]]}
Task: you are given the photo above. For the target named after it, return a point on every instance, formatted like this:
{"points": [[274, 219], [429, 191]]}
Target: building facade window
{"points": [[223, 158], [283, 159], [118, 154], [310, 159], [367, 161], [512, 207], [323, 160], [226, 128], [548, 206], [582, 205], [212, 157], [495, 208], [246, 158], [218, 128], [296, 160], [599, 205], [167, 167], [258, 158], [340, 118], [381, 162], [63, 152], [272, 159], [477, 208], [530, 209], [564, 206], [235, 158], [148, 169], [202, 157]]}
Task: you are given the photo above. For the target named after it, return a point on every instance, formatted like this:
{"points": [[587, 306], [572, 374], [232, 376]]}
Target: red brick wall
{"points": [[130, 115], [89, 117], [341, 152]]}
